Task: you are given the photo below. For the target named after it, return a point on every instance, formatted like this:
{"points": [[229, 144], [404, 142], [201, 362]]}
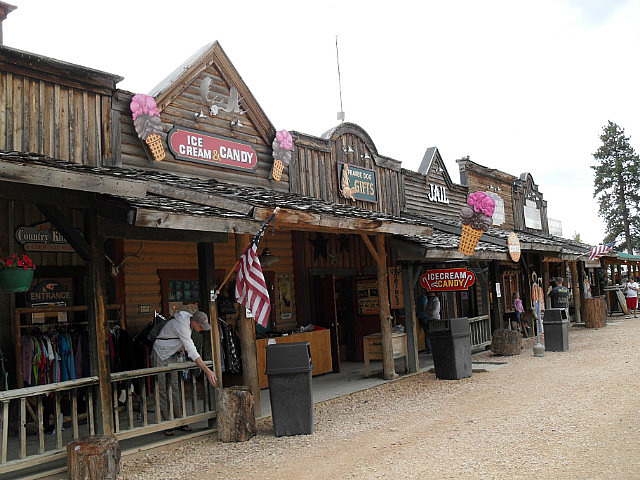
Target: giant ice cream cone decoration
{"points": [[282, 145], [476, 218], [146, 120]]}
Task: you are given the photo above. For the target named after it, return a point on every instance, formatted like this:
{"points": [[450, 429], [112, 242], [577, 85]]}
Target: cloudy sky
{"points": [[517, 86]]}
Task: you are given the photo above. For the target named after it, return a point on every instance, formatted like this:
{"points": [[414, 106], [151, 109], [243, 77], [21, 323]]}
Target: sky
{"points": [[518, 86]]}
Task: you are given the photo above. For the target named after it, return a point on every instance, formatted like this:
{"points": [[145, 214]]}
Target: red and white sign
{"points": [[195, 146], [447, 279]]}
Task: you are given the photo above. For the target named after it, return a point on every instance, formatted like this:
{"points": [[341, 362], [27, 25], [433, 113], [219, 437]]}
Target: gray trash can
{"points": [[451, 349], [289, 368], [556, 330]]}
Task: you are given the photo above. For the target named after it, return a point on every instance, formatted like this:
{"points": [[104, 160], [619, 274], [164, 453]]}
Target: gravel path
{"points": [[569, 415]]}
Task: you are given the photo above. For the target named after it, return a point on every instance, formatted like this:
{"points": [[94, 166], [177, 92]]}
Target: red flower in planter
{"points": [[15, 261]]}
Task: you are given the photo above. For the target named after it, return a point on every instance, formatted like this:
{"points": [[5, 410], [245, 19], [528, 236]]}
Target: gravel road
{"points": [[568, 415]]}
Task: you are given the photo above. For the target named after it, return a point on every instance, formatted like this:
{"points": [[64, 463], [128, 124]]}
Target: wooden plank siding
{"points": [[142, 284], [314, 168], [416, 195], [53, 119], [478, 178], [180, 112]]}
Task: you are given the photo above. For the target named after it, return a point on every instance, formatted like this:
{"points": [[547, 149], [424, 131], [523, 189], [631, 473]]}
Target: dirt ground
{"points": [[568, 415]]}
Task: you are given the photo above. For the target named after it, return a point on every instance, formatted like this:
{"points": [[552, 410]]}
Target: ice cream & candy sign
{"points": [[195, 146], [447, 279]]}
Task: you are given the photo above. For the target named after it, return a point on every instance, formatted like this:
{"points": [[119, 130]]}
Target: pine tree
{"points": [[617, 186]]}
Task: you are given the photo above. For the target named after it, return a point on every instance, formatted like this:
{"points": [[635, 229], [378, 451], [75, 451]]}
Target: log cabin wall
{"points": [[314, 168], [141, 283], [494, 182], [55, 108], [526, 191]]}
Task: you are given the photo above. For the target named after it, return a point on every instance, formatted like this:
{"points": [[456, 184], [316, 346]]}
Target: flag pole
{"points": [[254, 241]]}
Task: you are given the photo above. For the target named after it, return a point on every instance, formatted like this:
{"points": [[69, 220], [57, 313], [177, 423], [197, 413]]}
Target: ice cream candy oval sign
{"points": [[447, 279], [195, 146]]}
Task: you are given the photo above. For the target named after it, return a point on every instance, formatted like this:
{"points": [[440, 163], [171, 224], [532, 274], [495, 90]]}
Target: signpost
{"points": [[447, 279]]}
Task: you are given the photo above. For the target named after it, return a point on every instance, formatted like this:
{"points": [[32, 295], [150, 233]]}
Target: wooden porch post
{"points": [[546, 281], [207, 280], [379, 254], [248, 341], [409, 277], [97, 326], [576, 291]]}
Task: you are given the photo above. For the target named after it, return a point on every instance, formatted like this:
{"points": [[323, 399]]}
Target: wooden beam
{"points": [[388, 367], [168, 220], [291, 219], [67, 179], [374, 253], [110, 229], [248, 347], [97, 326], [66, 228], [409, 278], [47, 195], [192, 196]]}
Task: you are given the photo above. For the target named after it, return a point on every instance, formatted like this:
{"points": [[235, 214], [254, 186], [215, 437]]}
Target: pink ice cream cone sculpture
{"points": [[477, 217], [146, 120], [282, 145]]}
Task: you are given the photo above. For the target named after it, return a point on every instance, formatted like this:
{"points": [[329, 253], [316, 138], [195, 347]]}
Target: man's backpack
{"points": [[151, 330]]}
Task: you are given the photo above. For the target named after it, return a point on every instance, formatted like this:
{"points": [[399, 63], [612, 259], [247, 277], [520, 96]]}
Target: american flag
{"points": [[251, 289], [601, 250]]}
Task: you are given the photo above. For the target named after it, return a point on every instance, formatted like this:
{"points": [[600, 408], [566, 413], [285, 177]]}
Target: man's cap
{"points": [[201, 319]]}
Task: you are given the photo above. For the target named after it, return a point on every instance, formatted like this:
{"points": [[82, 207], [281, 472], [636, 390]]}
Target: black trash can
{"points": [[556, 330], [289, 370], [451, 349]]}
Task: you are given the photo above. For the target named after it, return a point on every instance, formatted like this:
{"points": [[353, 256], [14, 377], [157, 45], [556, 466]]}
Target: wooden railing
{"points": [[480, 329], [24, 443], [480, 332], [196, 399], [17, 451]]}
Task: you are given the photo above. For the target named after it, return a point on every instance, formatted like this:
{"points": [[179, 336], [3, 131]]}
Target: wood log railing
{"points": [[17, 451], [24, 443], [196, 399], [480, 330]]}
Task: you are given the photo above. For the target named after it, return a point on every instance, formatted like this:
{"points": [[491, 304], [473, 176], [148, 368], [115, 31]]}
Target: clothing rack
{"points": [[18, 326]]}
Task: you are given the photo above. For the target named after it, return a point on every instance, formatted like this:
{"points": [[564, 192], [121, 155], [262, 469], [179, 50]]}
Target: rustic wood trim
{"points": [[66, 228], [166, 220], [114, 230], [290, 219], [377, 256], [388, 366], [192, 196], [25, 173]]}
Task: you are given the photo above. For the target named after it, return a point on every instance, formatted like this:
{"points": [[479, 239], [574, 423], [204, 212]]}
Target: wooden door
{"points": [[325, 293]]}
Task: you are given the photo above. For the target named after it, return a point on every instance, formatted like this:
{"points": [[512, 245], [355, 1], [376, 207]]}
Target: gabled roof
{"points": [[213, 54], [432, 158]]}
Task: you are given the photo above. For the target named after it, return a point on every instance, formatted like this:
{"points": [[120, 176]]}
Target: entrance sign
{"points": [[447, 279], [194, 146], [514, 246]]}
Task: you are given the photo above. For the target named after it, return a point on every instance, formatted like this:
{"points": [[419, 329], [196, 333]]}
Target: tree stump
{"points": [[595, 312], [93, 458], [506, 342], [236, 418]]}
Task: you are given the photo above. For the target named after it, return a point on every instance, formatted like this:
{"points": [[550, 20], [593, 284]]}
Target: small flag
{"points": [[251, 289], [601, 250]]}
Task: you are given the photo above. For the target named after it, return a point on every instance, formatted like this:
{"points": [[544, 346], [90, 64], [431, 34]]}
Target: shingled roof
{"points": [[166, 192]]}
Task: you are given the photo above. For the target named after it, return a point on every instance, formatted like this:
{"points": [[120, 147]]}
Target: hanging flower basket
{"points": [[16, 273]]}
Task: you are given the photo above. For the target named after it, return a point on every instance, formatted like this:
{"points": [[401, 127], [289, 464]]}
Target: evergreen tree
{"points": [[617, 186]]}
